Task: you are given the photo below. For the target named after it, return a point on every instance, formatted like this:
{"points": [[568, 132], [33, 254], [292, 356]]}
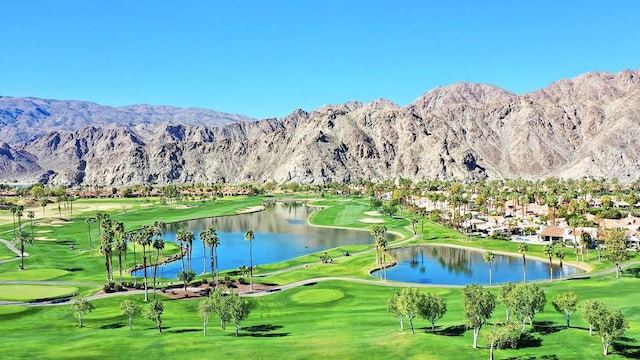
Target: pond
{"points": [[281, 233], [434, 264]]}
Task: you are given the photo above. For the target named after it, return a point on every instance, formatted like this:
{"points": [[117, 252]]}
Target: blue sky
{"points": [[266, 58]]}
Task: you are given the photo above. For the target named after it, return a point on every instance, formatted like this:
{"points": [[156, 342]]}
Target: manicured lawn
{"points": [[34, 274], [327, 320], [34, 292]]}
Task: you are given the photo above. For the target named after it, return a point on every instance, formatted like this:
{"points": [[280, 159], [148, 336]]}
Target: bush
{"points": [[242, 281]]}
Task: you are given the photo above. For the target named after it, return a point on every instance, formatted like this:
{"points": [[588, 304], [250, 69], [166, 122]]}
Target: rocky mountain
{"points": [[24, 119], [586, 126]]}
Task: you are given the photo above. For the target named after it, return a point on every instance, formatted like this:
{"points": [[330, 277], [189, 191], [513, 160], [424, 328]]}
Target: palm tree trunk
{"points": [[204, 258], [144, 265], [251, 263]]}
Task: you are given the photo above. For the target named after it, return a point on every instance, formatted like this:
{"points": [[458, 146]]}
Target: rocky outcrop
{"points": [[587, 126]]}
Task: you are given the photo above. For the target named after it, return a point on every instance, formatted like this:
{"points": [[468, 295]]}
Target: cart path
{"points": [[12, 248]]}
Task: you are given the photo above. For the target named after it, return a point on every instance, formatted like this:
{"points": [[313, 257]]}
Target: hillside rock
{"points": [[586, 126]]}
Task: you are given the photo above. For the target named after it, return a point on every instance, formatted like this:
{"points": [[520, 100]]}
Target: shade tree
{"points": [[565, 304], [80, 308], [131, 309], [478, 306]]}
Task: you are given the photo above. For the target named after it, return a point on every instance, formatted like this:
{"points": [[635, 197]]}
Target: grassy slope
{"points": [[330, 319]]}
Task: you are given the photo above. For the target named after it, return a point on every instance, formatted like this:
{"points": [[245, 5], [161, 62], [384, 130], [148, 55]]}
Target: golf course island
{"points": [[334, 274]]}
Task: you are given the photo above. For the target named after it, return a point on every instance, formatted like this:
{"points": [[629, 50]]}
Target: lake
{"points": [[442, 265], [281, 233]]}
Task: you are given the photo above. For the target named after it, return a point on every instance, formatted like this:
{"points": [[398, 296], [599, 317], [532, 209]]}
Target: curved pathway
{"points": [[12, 248]]}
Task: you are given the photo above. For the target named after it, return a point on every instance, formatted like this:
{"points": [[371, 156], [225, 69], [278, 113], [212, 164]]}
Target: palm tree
{"points": [[560, 254], [378, 231], [181, 236], [211, 239], [488, 258], [44, 203], [134, 237], [381, 243], [13, 210], [549, 252], [190, 236], [205, 236], [89, 221], [145, 240], [19, 213], [158, 244], [106, 239], [249, 236], [22, 237], [522, 248], [121, 243], [31, 215]]}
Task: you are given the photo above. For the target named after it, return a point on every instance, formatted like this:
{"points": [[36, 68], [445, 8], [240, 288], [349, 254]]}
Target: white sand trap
{"points": [[371, 220], [43, 238], [43, 231], [251, 209], [373, 213]]}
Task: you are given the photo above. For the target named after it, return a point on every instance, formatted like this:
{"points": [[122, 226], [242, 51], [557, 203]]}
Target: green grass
{"points": [[333, 319], [34, 274], [329, 320], [35, 292]]}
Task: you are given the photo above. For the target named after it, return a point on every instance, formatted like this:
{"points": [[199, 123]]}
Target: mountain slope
{"points": [[586, 126]]}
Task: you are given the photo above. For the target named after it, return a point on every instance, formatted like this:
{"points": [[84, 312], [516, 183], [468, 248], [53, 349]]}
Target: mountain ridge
{"points": [[585, 126]]}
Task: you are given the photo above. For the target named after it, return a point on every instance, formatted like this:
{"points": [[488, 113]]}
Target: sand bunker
{"points": [[372, 213], [251, 209], [43, 231], [371, 220], [43, 238]]}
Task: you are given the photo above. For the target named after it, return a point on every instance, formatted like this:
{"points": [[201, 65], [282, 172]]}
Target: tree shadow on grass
{"points": [[543, 357], [180, 331], [528, 341], [456, 330], [310, 284], [111, 326], [546, 327], [627, 350], [264, 330]]}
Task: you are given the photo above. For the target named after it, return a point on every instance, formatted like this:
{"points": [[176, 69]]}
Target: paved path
{"points": [[12, 248]]}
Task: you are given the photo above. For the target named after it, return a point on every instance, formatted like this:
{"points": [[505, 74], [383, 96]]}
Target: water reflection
{"points": [[281, 233], [433, 264]]}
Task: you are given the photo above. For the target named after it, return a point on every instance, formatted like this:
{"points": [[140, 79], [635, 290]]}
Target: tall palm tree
{"points": [[23, 237], [121, 243], [190, 236], [205, 237], [134, 237], [378, 231], [522, 248], [549, 251], [560, 254], [31, 215], [13, 210], [249, 236], [210, 238], [381, 243], [19, 213], [145, 240], [181, 236], [89, 221], [158, 245], [488, 258], [44, 203], [106, 240]]}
